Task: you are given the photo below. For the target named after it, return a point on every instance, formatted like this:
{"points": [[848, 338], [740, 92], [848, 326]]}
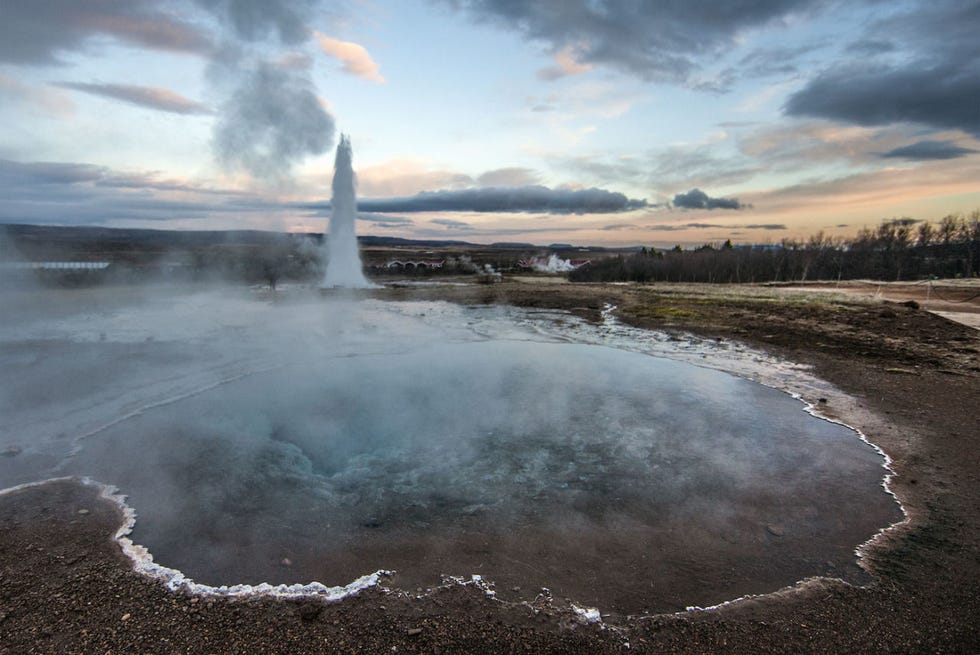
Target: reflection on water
{"points": [[324, 440]]}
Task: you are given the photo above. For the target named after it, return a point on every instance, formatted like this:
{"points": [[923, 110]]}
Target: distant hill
{"points": [[32, 236]]}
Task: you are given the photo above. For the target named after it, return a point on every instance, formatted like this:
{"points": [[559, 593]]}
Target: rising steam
{"points": [[271, 121], [271, 118]]}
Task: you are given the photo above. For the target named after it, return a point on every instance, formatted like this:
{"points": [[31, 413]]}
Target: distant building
{"points": [[413, 264], [54, 266]]}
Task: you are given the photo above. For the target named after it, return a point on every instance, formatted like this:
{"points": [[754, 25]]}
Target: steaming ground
{"points": [[295, 437]]}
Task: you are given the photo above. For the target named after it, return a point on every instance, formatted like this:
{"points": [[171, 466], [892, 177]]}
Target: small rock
{"points": [[911, 304], [414, 631], [286, 561], [822, 401], [83, 512], [775, 530], [125, 617]]}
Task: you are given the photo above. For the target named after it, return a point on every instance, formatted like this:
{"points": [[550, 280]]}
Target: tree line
{"points": [[897, 249]]}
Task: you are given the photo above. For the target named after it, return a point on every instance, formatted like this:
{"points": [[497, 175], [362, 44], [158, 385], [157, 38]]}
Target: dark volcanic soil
{"points": [[66, 588]]}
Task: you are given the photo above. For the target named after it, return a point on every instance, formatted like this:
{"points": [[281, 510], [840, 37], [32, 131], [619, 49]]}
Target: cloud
{"points": [[938, 96], [52, 101], [566, 64], [450, 224], [43, 32], [81, 193], [935, 83], [384, 221], [618, 226], [698, 199], [665, 44], [142, 96], [25, 174], [402, 177], [255, 48], [508, 199], [514, 176], [355, 58], [681, 227], [929, 150]]}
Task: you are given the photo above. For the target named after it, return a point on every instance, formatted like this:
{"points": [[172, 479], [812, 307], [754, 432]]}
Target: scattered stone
{"points": [[775, 530], [414, 631], [286, 561], [125, 617], [83, 512]]}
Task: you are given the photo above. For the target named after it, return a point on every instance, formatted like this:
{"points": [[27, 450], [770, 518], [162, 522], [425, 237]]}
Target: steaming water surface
{"points": [[308, 438]]}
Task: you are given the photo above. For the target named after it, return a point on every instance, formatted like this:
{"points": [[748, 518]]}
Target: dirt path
{"points": [[66, 588]]}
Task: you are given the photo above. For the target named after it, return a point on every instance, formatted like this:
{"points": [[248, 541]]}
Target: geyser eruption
{"points": [[343, 258]]}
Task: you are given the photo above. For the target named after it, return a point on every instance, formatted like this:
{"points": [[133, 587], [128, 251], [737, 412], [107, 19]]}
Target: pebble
{"points": [[414, 631], [125, 617], [83, 512]]}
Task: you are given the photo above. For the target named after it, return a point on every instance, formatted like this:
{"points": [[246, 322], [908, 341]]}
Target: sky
{"points": [[595, 122]]}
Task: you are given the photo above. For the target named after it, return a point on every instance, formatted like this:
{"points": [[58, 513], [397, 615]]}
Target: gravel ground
{"points": [[65, 587]]}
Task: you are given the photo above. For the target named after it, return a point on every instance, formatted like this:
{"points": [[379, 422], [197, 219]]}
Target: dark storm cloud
{"points": [[508, 199], [659, 43], [698, 199], [142, 96], [42, 31], [938, 96], [929, 150], [936, 84]]}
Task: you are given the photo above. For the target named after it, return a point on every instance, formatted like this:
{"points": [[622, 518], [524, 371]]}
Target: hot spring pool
{"points": [[323, 439]]}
